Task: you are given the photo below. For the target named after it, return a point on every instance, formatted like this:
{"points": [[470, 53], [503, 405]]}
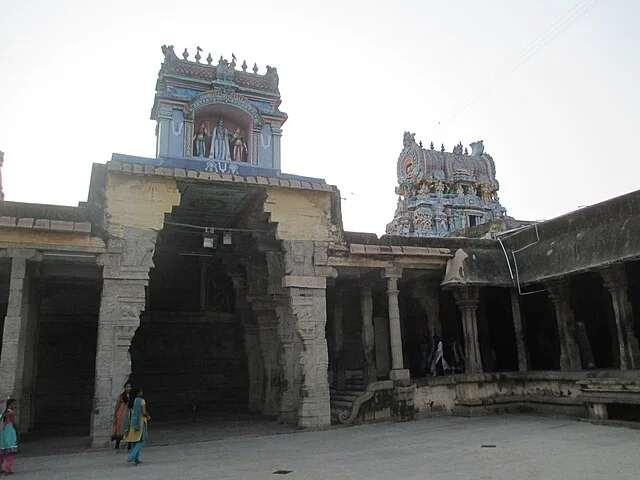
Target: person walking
{"points": [[438, 362], [8, 436], [119, 415], [136, 425]]}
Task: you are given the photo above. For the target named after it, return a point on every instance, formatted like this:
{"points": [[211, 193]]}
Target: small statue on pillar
{"points": [[200, 139], [238, 146], [220, 143]]}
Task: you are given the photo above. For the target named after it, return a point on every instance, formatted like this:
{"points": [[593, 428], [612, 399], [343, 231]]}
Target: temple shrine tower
{"points": [[441, 192], [216, 113]]}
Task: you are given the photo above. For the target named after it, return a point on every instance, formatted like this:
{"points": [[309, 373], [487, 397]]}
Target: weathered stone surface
{"points": [[7, 221], [26, 222], [304, 282], [125, 273], [82, 227], [42, 224], [61, 226], [300, 215], [143, 203]]}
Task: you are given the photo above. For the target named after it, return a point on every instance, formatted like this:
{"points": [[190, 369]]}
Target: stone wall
{"points": [[302, 214], [545, 392]]}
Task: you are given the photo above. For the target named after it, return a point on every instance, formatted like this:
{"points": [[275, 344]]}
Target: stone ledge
{"points": [[290, 281], [360, 249], [7, 221]]}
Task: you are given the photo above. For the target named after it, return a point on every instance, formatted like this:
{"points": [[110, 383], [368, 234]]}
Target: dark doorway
{"points": [[67, 329], [538, 317]]}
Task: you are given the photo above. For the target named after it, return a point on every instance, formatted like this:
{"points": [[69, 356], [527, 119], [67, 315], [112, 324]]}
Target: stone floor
{"points": [[501, 447]]}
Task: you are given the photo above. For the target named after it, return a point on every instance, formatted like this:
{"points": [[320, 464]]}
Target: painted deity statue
{"points": [[220, 143], [200, 138], [238, 146]]}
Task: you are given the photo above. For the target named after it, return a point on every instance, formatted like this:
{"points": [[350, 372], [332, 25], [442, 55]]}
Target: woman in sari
{"points": [[119, 415], [8, 436], [136, 425]]}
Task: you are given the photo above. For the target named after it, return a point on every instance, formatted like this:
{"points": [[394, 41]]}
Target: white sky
{"points": [[77, 82]]}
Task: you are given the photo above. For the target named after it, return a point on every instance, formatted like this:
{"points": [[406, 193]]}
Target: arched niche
{"points": [[235, 112]]}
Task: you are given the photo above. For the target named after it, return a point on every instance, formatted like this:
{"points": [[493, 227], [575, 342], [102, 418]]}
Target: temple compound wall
{"points": [[222, 285]]}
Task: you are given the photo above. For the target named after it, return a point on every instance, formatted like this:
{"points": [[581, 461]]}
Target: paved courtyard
{"points": [[505, 447]]}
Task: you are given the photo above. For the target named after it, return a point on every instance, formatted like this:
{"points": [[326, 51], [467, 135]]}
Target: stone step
{"points": [[344, 404], [345, 396]]}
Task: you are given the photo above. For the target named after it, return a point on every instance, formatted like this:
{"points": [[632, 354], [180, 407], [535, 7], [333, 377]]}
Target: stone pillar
{"points": [[615, 281], [277, 135], [467, 299], [251, 341], [289, 365], [163, 129], [368, 333], [17, 363], [428, 294], [338, 340], [397, 364], [305, 282], [125, 275], [518, 328], [267, 328], [254, 155], [560, 295]]}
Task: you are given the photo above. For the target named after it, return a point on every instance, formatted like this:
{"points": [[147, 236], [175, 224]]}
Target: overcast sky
{"points": [[77, 83]]}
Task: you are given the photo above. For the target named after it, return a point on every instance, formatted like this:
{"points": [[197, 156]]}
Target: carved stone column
{"points": [[467, 299], [368, 334], [125, 275], [560, 295], [305, 284], [397, 364], [521, 344], [615, 281], [17, 365], [428, 294], [338, 340]]}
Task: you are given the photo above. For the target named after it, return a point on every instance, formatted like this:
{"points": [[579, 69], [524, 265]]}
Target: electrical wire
{"points": [[576, 12]]}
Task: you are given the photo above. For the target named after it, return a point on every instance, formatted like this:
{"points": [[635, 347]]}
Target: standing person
{"points": [[458, 356], [8, 436], [438, 360], [136, 424], [119, 415]]}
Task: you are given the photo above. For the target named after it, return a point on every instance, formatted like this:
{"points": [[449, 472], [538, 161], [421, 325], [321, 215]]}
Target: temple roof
{"points": [[414, 160], [182, 80]]}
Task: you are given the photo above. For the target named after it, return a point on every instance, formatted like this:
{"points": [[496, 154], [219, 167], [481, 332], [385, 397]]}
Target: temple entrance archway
{"points": [[195, 350]]}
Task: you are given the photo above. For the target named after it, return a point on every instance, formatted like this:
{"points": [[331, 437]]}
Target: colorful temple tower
{"points": [[441, 192], [217, 115]]}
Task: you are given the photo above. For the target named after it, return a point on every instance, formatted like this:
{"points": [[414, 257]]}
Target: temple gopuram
{"points": [[442, 192], [228, 288], [217, 113]]}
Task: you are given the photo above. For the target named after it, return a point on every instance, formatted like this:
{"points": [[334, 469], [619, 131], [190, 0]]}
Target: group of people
{"points": [[433, 360], [130, 422], [129, 425]]}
